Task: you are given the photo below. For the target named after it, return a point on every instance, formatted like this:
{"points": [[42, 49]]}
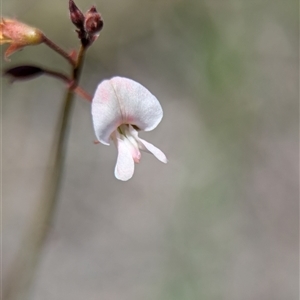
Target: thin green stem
{"points": [[24, 270]]}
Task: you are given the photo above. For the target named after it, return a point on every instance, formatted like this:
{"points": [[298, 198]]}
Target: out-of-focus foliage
{"points": [[220, 220]]}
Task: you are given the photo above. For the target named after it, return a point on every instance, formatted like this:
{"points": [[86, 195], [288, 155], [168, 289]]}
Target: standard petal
{"points": [[144, 145], [106, 111], [125, 165], [138, 106]]}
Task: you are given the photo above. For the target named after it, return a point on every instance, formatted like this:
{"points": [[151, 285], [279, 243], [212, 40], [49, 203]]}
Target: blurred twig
{"points": [[23, 271], [59, 50]]}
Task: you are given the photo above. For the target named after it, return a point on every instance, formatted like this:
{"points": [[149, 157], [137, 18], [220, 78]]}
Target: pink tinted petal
{"points": [[144, 145], [138, 106], [106, 111], [131, 143], [125, 165]]}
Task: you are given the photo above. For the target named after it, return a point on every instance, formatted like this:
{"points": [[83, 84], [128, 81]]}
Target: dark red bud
{"points": [[23, 72], [76, 15], [93, 21]]}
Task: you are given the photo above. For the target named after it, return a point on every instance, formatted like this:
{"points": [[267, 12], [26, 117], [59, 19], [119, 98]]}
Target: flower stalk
{"points": [[121, 108], [23, 272], [59, 50]]}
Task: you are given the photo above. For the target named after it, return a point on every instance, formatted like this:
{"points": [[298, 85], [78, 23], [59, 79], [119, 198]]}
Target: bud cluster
{"points": [[88, 25]]}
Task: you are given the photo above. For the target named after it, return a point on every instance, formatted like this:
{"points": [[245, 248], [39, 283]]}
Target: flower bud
{"points": [[76, 15], [23, 72], [18, 35], [93, 22]]}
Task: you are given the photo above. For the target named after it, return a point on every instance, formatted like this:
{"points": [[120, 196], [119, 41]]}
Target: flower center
{"points": [[130, 141]]}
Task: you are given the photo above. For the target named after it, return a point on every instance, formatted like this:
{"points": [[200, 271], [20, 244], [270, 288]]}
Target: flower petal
{"points": [[106, 112], [138, 106], [144, 145], [125, 165], [147, 147], [11, 49], [123, 101]]}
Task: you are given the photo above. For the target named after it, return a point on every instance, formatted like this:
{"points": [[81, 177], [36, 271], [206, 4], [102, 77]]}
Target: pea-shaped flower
{"points": [[120, 108]]}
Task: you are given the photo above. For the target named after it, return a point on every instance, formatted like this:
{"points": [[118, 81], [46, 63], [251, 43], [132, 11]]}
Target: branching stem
{"points": [[24, 270], [77, 89], [59, 50]]}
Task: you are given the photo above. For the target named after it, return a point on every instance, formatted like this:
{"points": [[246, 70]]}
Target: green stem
{"points": [[23, 272]]}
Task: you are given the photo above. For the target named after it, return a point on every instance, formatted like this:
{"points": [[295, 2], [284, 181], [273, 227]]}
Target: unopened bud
{"points": [[93, 21], [76, 15], [23, 72]]}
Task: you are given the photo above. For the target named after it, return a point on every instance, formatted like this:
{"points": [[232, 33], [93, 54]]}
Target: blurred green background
{"points": [[220, 220]]}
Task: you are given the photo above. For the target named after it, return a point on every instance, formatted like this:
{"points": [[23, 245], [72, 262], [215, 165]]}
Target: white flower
{"points": [[120, 108]]}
